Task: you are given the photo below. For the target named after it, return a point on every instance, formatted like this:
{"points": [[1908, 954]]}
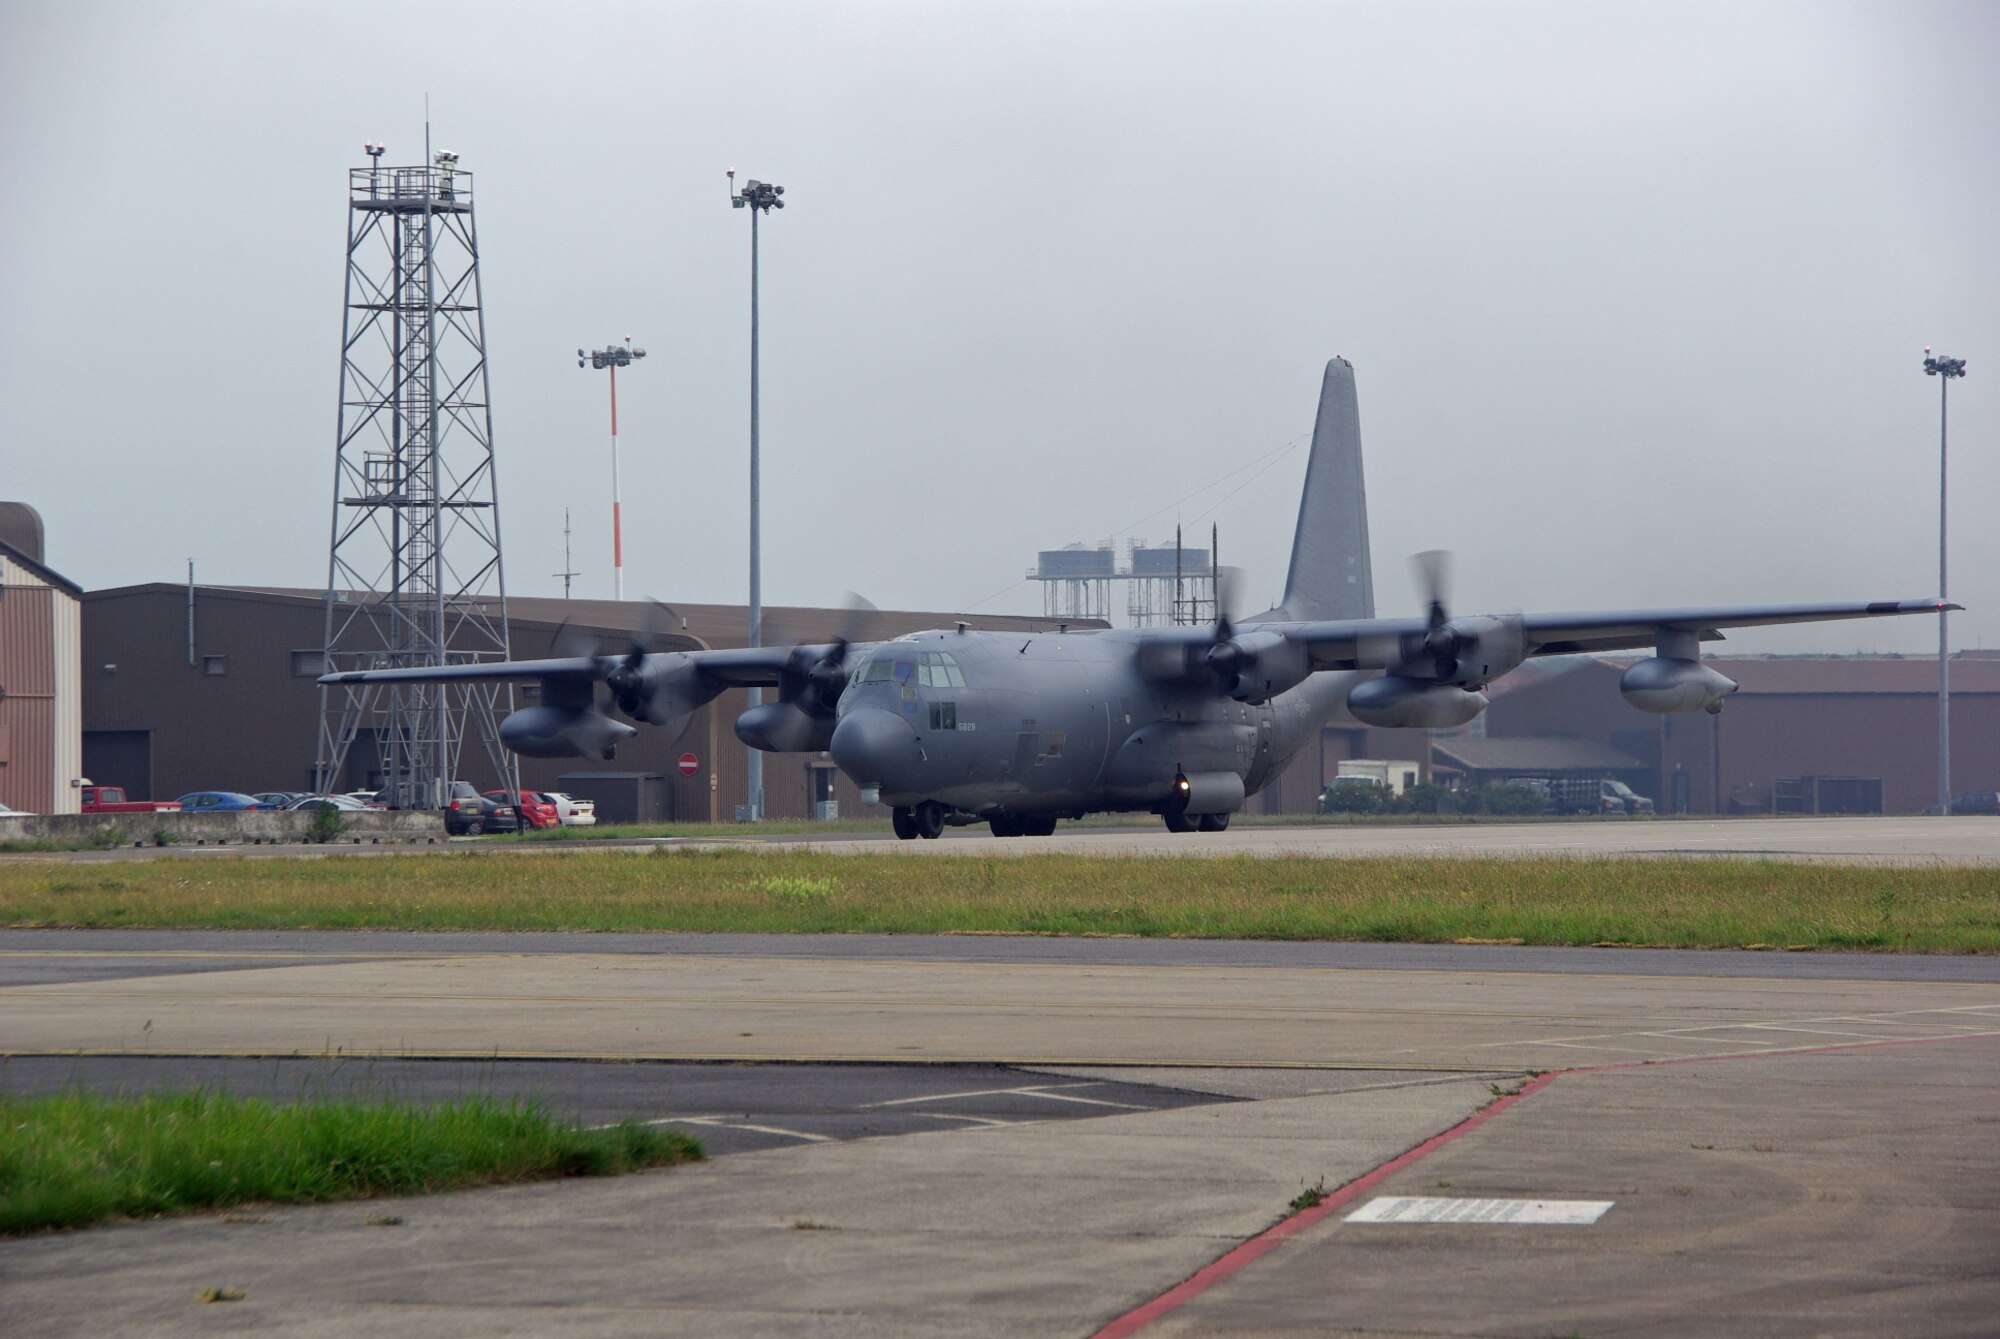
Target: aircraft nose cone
{"points": [[874, 746]]}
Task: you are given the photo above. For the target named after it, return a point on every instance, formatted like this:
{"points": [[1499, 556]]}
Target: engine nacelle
{"points": [[563, 732], [1257, 666], [1666, 684], [781, 727], [1396, 703]]}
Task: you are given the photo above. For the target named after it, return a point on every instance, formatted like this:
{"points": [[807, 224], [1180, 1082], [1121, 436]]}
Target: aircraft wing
{"points": [[1376, 643], [740, 667]]}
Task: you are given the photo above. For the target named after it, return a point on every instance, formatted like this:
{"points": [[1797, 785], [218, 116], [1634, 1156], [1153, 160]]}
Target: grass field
{"points": [[1678, 903], [79, 1158]]}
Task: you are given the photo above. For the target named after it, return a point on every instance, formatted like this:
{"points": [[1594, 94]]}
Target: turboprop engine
{"points": [[563, 732], [1397, 703], [1666, 684], [1257, 666]]}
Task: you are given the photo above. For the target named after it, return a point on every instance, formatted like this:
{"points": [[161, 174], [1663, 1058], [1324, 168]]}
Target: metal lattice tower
{"points": [[413, 575]]}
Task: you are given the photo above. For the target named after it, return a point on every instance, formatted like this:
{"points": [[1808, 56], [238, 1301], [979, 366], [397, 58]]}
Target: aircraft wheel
{"points": [[1178, 821], [1044, 826], [1005, 825], [904, 822], [929, 818], [1213, 822]]}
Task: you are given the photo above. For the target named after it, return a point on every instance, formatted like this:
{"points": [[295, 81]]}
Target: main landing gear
{"points": [[1179, 820], [1023, 825]]}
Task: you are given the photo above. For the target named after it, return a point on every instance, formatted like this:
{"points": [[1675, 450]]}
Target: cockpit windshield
{"points": [[902, 666]]}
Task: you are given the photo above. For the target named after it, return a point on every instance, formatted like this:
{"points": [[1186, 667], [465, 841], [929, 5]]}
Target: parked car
{"points": [[346, 804], [279, 799], [535, 808], [573, 813], [468, 813], [220, 801], [111, 800], [1979, 802], [6, 812]]}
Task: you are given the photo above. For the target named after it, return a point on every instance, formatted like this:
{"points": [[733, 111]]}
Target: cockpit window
{"points": [[939, 670], [932, 669]]}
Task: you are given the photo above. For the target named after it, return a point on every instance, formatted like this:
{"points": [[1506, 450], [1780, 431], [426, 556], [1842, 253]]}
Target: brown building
{"points": [[1865, 718], [41, 713], [215, 688]]}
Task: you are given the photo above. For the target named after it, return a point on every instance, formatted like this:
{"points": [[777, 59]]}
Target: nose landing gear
{"points": [[925, 820]]}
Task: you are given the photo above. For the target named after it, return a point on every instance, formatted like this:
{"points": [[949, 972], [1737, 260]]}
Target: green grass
{"points": [[1677, 903], [80, 1158]]}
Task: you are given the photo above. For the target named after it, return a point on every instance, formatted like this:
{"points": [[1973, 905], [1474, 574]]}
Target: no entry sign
{"points": [[689, 764]]}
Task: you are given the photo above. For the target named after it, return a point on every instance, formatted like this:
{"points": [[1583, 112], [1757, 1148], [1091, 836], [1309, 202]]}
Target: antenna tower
{"points": [[413, 571]]}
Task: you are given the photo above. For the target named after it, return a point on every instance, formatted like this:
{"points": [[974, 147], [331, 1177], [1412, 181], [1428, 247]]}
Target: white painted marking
{"points": [[1044, 1091], [741, 1125], [1439, 1209]]}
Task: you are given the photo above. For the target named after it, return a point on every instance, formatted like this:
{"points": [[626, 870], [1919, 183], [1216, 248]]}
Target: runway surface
{"points": [[1960, 840], [999, 1136], [1963, 840]]}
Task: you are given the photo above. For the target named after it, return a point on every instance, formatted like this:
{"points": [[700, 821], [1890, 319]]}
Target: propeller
{"points": [[1476, 649], [627, 682], [815, 675]]}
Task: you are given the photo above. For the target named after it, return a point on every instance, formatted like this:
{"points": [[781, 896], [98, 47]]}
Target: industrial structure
{"points": [[1164, 583], [41, 687], [414, 573]]}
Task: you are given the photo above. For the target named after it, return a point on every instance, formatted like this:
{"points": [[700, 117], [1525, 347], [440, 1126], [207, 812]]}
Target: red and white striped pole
{"points": [[614, 358]]}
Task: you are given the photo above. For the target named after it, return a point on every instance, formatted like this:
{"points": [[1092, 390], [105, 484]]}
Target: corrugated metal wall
{"points": [[41, 730]]}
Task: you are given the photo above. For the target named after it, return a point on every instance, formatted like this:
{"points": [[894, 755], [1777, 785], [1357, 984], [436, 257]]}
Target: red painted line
{"points": [[1264, 1242]]}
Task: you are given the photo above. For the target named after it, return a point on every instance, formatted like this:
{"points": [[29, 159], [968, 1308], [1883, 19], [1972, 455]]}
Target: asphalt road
{"points": [[731, 1108]]}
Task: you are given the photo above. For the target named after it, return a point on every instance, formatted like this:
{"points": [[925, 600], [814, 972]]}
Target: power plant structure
{"points": [[1164, 584], [414, 574]]}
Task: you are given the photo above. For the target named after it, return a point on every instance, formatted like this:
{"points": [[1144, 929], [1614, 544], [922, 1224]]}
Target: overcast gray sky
{"points": [[1636, 294]]}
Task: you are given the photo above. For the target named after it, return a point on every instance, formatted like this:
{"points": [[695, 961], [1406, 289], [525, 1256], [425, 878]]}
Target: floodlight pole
{"points": [[760, 197], [1944, 369], [612, 357]]}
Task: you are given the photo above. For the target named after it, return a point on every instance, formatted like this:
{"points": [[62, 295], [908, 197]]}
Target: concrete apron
{"points": [[1024, 1230], [1027, 1230], [670, 1006]]}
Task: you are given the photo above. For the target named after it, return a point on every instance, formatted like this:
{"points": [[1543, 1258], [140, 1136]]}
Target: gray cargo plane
{"points": [[1019, 730]]}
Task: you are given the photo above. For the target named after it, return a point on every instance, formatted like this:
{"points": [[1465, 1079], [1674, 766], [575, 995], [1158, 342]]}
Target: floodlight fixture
{"points": [[1947, 369], [760, 197]]}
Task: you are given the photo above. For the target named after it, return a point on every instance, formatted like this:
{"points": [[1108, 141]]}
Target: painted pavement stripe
{"points": [[1445, 1209]]}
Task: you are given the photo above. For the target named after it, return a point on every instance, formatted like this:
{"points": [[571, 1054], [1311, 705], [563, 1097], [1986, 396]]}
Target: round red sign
{"points": [[689, 764]]}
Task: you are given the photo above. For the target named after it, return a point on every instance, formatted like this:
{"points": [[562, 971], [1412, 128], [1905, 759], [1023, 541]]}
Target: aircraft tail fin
{"points": [[1330, 576]]}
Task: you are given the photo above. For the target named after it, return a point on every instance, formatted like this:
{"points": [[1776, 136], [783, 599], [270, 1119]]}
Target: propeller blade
{"points": [[1228, 590], [1432, 571]]}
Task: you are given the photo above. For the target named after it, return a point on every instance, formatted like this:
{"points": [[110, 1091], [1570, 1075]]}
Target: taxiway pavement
{"points": [[1831, 1166]]}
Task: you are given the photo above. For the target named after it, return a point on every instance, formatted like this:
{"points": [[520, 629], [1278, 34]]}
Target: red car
{"points": [[537, 810]]}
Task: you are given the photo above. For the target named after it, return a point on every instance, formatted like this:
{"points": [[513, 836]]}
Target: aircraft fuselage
{"points": [[1057, 724]]}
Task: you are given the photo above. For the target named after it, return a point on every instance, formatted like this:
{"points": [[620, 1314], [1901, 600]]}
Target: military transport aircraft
{"points": [[1018, 730]]}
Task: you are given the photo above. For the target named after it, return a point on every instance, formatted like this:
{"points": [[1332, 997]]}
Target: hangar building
{"points": [[1793, 720], [41, 691]]}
